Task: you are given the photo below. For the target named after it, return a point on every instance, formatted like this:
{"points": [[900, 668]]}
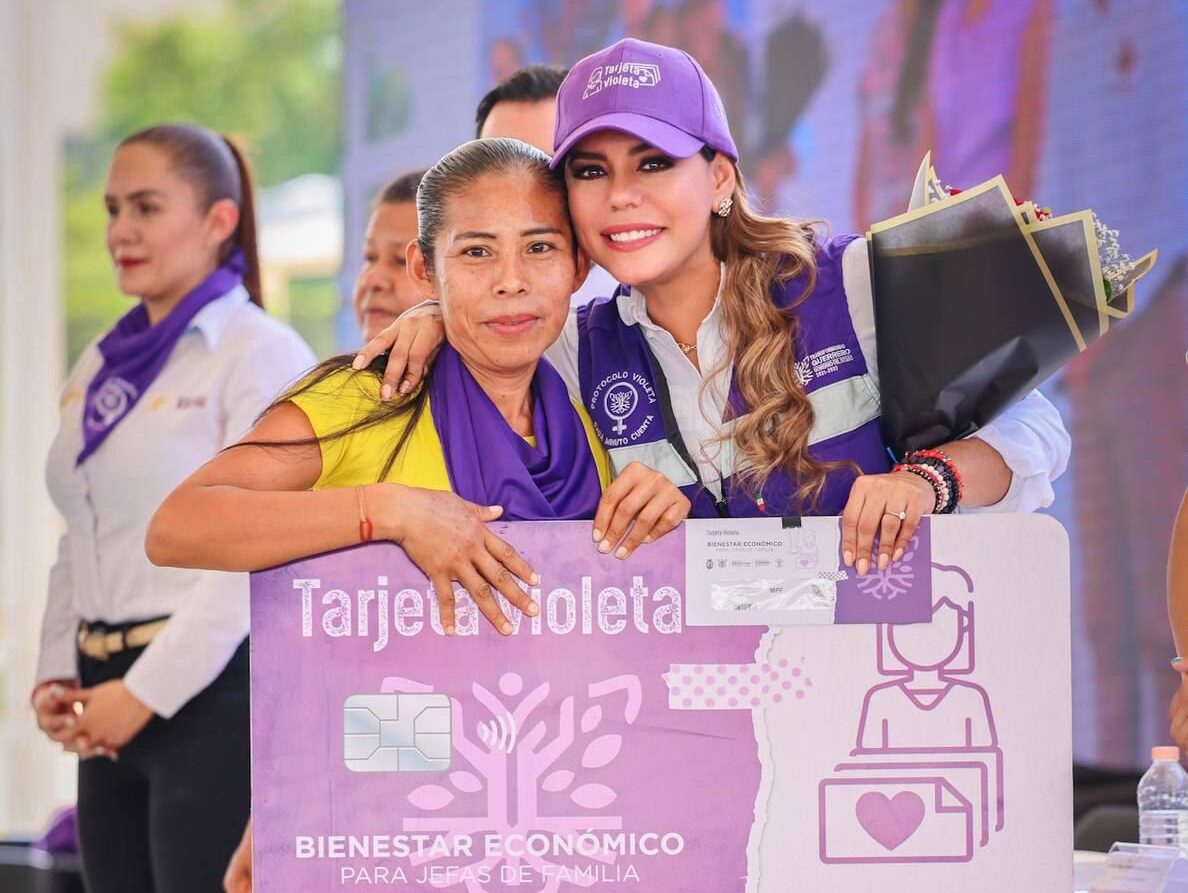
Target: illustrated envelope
{"points": [[977, 775], [396, 732], [902, 820]]}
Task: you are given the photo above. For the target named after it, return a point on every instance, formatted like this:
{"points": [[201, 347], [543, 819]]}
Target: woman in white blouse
{"points": [[143, 670]]}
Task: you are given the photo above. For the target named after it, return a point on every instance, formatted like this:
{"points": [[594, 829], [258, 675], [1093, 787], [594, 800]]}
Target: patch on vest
{"points": [[824, 362], [621, 408]]}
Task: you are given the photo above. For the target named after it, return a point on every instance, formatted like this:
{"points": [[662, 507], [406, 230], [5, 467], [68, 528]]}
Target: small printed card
{"points": [[1131, 868]]}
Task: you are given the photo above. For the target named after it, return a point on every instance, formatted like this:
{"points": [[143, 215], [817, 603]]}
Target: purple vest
{"points": [[626, 395]]}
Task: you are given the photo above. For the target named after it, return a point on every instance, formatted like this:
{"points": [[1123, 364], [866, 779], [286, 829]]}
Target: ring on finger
{"points": [[901, 515]]}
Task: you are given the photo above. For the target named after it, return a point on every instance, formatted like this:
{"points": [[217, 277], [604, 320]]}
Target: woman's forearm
{"points": [[985, 476], [230, 528]]}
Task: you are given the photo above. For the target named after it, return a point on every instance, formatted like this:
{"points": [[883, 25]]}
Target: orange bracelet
{"points": [[365, 528]]}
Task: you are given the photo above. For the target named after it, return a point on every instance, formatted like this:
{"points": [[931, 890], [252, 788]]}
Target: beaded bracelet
{"points": [[943, 464], [941, 469], [934, 480], [366, 530], [944, 459]]}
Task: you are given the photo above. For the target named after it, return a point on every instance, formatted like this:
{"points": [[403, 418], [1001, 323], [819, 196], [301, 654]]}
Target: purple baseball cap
{"points": [[654, 92]]}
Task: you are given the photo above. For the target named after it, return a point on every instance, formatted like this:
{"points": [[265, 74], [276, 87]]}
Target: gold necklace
{"points": [[686, 349]]}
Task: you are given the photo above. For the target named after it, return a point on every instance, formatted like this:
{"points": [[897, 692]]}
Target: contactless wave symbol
{"points": [[499, 733]]}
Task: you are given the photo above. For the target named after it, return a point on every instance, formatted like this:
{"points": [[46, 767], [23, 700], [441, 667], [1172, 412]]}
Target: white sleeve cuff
{"points": [[1035, 446]]}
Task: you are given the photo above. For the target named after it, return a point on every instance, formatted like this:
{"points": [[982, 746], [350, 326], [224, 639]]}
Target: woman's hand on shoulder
{"points": [[640, 506], [889, 507], [414, 339], [448, 539]]}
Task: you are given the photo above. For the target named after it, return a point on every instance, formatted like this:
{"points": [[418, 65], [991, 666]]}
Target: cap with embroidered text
{"points": [[653, 92]]}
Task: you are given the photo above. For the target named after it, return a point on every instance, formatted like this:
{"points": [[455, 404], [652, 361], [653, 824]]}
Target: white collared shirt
{"points": [[227, 366], [1029, 436]]}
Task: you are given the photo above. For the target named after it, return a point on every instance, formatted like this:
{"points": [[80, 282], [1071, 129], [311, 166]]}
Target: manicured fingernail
{"points": [[385, 391], [533, 609], [495, 510], [649, 538], [406, 387], [863, 566], [604, 546], [848, 558], [506, 629], [884, 560], [357, 363], [534, 579], [898, 554], [621, 552], [597, 535], [449, 630]]}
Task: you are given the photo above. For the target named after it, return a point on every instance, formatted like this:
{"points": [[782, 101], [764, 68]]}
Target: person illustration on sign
{"points": [[927, 705], [926, 776]]}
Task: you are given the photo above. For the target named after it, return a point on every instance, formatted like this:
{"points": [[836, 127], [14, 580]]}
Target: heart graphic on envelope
{"points": [[871, 819], [890, 820]]}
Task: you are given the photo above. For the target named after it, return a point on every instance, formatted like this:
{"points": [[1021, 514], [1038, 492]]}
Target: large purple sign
{"points": [[679, 721]]}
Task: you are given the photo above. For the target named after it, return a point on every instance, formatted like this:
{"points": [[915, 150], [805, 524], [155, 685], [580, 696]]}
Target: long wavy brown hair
{"points": [[761, 253]]}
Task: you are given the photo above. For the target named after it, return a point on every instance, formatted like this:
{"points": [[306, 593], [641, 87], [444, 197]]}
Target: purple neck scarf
{"points": [[490, 464], [134, 353]]}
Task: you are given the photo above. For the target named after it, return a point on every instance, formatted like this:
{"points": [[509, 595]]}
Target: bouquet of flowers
{"points": [[979, 298]]}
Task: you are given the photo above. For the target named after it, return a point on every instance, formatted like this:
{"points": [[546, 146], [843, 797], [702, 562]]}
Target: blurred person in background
{"points": [[382, 289], [143, 671]]}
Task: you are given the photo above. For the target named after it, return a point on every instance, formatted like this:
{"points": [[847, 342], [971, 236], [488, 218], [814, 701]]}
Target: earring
{"points": [[724, 206]]}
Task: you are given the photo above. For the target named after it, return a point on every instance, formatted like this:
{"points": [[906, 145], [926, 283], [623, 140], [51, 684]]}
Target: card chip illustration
{"points": [[396, 733]]}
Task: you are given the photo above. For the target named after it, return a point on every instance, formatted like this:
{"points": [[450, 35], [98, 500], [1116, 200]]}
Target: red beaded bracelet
{"points": [[365, 529], [946, 460], [932, 477]]}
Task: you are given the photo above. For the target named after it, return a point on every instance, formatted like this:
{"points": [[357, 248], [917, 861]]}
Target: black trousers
{"points": [[167, 815]]}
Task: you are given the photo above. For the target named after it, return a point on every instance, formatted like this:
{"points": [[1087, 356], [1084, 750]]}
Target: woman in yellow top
{"points": [[494, 432]]}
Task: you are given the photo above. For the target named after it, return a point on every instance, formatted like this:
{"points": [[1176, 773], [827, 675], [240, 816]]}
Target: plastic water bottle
{"points": [[1163, 800]]}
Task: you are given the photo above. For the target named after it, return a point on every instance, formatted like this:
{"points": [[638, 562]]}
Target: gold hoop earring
{"points": [[724, 206]]}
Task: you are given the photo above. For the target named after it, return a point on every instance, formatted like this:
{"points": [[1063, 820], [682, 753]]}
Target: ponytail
{"points": [[244, 236]]}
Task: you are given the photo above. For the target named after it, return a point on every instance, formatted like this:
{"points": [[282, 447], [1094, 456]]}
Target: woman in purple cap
{"points": [[739, 356]]}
